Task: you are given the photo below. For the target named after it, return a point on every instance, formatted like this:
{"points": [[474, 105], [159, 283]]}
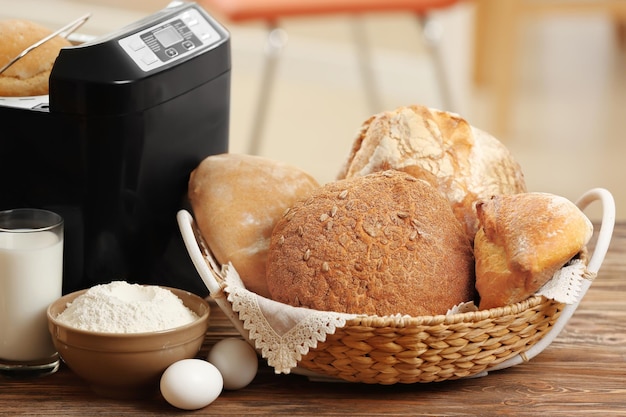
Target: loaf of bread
{"points": [[30, 74], [464, 163], [236, 201], [383, 244], [523, 240]]}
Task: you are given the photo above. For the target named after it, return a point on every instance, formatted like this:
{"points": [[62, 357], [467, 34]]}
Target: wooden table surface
{"points": [[583, 372]]}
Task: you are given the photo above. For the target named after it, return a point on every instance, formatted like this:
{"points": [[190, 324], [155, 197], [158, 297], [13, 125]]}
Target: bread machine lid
{"points": [[142, 65]]}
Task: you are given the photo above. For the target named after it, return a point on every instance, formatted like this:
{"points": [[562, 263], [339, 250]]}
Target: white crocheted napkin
{"points": [[566, 284], [284, 334]]}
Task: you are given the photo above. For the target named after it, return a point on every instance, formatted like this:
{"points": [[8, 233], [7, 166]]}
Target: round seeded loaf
{"points": [[386, 243]]}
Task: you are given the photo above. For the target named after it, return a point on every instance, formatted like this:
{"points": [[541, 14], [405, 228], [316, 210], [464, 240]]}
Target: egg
{"points": [[191, 384], [236, 360]]}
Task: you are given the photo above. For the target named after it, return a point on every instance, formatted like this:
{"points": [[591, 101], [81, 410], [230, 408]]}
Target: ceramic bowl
{"points": [[127, 365]]}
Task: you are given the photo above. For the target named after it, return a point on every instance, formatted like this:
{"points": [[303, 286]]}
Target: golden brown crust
{"points": [[236, 200], [382, 244], [464, 163], [524, 239], [30, 75]]}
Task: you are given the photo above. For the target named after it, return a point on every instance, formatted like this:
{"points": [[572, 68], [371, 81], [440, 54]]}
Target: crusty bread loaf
{"points": [[384, 244], [29, 76], [523, 240], [464, 163], [236, 201]]}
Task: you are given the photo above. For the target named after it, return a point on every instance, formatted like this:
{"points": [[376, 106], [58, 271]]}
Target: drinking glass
{"points": [[31, 278]]}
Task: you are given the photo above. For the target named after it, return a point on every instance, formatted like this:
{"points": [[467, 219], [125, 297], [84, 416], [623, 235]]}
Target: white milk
{"points": [[31, 270]]}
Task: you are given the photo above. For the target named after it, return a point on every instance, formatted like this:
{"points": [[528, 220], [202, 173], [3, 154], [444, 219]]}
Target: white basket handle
{"points": [[208, 270], [599, 252], [185, 224]]}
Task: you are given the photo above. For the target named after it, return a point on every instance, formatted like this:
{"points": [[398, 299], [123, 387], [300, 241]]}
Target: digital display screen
{"points": [[168, 36]]}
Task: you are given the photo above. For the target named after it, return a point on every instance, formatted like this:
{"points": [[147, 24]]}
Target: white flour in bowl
{"points": [[120, 307]]}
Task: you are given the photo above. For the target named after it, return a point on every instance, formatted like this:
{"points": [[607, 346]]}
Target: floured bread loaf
{"points": [[384, 244], [464, 163], [30, 74], [236, 201], [523, 240]]}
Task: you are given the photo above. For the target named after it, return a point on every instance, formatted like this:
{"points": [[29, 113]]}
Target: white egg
{"points": [[236, 360], [191, 384]]}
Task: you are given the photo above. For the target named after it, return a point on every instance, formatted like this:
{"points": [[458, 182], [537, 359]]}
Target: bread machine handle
{"points": [[599, 252]]}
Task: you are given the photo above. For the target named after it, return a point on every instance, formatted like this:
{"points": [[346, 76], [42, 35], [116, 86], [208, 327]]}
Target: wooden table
{"points": [[583, 372]]}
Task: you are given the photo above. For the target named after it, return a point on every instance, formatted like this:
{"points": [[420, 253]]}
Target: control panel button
{"points": [[149, 58], [205, 36], [137, 44], [191, 21]]}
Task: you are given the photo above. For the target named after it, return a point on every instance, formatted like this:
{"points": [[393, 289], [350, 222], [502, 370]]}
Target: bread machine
{"points": [[110, 148]]}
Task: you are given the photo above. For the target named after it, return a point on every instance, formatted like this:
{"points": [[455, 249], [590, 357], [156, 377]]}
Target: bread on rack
{"points": [[236, 200], [523, 240], [464, 163], [28, 76], [386, 243]]}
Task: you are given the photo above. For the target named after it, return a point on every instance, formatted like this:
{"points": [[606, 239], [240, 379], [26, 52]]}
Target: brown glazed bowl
{"points": [[127, 365]]}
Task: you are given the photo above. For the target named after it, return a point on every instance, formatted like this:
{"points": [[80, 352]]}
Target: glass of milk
{"points": [[31, 278]]}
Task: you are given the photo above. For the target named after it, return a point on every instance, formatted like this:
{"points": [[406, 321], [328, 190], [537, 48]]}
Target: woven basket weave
{"points": [[429, 349], [390, 350]]}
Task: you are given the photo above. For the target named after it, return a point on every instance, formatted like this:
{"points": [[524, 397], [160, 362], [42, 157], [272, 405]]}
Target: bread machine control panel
{"points": [[169, 40]]}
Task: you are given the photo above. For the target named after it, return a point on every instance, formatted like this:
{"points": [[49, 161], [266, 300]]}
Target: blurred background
{"points": [[546, 77]]}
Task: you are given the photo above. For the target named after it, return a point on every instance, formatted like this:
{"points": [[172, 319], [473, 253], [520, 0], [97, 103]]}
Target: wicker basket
{"points": [[387, 350]]}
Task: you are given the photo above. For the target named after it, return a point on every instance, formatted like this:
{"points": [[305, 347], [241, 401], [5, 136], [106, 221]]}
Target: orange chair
{"points": [[271, 11]]}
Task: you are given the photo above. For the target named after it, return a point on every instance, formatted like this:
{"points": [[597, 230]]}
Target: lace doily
{"points": [[282, 333], [566, 284]]}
